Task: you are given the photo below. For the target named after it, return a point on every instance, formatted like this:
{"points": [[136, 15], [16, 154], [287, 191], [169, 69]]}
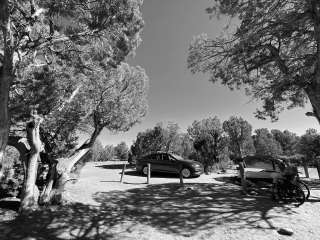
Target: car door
{"points": [[167, 163], [155, 160]]}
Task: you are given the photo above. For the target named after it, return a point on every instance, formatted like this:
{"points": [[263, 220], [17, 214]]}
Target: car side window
{"points": [[158, 157], [165, 157], [149, 157]]}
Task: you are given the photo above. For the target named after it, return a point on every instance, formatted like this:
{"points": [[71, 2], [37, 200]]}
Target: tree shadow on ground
{"points": [[114, 166], [153, 174], [9, 204], [168, 208], [261, 187]]}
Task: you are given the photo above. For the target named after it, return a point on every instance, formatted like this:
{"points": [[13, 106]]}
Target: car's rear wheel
{"points": [[186, 173], [145, 170]]}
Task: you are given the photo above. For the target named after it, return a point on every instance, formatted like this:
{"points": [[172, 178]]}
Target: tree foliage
{"points": [[63, 46], [64, 62], [108, 153], [151, 140], [208, 140], [309, 144], [121, 151], [116, 100], [185, 147], [160, 138], [265, 143], [273, 53], [239, 132], [100, 153], [288, 141]]}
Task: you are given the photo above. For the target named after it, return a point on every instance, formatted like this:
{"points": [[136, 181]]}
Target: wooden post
{"points": [[305, 167], [243, 177], [149, 173], [123, 170], [318, 166], [181, 179], [180, 175]]}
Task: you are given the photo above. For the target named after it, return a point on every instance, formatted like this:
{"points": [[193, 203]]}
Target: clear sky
{"points": [[175, 94]]}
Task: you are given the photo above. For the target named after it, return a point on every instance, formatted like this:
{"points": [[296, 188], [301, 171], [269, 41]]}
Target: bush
{"points": [[12, 181]]}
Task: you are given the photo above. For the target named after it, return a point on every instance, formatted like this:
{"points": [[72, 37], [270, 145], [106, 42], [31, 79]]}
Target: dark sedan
{"points": [[169, 162]]}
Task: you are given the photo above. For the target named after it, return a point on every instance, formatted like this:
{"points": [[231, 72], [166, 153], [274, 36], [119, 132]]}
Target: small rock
{"points": [[285, 231]]}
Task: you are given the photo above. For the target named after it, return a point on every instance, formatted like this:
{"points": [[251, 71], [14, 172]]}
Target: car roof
{"points": [[151, 153], [159, 152]]}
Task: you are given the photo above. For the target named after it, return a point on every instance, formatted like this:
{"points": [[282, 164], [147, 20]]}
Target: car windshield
{"points": [[176, 156]]}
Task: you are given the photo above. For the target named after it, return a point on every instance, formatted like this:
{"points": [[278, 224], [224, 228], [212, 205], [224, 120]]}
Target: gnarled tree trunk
{"points": [[59, 174], [59, 170], [30, 191]]}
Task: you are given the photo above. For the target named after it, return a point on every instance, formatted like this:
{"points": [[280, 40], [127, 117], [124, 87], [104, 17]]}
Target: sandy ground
{"points": [[208, 207]]}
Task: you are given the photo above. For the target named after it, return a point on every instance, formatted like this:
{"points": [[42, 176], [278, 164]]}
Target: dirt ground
{"points": [[208, 207]]}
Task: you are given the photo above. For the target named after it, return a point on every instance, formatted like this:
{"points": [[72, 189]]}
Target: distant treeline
{"points": [[216, 143]]}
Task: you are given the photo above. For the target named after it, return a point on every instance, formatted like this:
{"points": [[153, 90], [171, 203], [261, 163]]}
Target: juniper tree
{"points": [[273, 52]]}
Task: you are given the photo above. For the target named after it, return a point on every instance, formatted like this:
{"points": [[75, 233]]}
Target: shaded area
{"points": [[114, 166], [253, 184], [10, 203], [153, 174], [8, 209], [262, 187], [167, 208], [313, 184]]}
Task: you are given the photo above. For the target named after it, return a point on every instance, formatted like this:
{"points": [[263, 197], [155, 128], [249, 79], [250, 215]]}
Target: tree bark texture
{"points": [[48, 192], [4, 115], [313, 93], [30, 191], [6, 74], [59, 174]]}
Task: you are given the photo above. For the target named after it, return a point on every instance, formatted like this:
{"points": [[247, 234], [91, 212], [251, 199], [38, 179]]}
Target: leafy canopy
{"points": [[273, 52], [309, 144], [208, 140], [239, 132], [265, 143], [70, 68]]}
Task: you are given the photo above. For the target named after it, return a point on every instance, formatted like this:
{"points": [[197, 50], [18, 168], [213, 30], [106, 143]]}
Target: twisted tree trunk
{"points": [[59, 174], [30, 196], [47, 193], [59, 170]]}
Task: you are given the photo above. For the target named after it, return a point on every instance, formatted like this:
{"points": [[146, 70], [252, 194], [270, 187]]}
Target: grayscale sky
{"points": [[175, 94]]}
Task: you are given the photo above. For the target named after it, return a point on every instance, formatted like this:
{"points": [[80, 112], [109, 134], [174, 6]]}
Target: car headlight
{"points": [[196, 165]]}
